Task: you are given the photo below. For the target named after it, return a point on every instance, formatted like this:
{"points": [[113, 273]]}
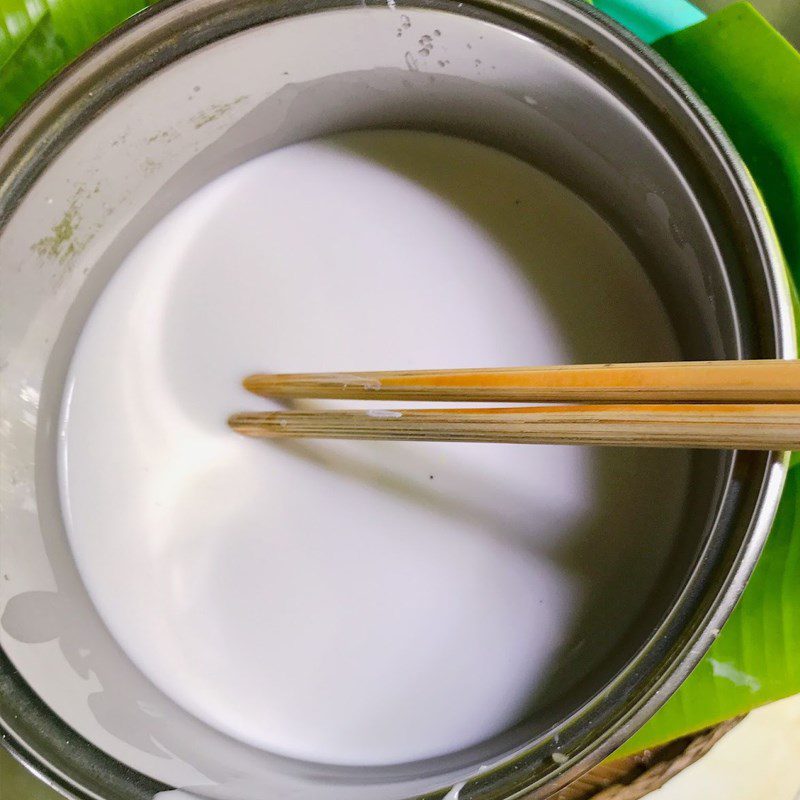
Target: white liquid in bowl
{"points": [[356, 602]]}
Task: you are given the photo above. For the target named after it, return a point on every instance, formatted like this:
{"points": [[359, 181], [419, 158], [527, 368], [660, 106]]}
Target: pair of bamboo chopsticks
{"points": [[752, 405]]}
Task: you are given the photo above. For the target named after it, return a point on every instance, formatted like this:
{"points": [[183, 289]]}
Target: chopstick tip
{"points": [[250, 382], [235, 421]]}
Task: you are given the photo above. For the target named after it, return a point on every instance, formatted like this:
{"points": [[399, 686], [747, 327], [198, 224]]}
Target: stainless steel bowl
{"points": [[123, 135]]}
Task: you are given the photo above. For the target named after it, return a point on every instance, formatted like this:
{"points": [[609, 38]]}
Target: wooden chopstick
{"points": [[686, 382], [732, 426]]}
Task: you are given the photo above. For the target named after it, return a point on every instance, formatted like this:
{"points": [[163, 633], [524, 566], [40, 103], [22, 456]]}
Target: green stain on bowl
{"points": [[67, 238], [215, 112], [60, 240]]}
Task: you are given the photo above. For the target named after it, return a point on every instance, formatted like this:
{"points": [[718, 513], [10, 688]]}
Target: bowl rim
{"points": [[81, 91]]}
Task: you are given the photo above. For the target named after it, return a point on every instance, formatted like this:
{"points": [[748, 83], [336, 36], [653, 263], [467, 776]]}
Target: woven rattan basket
{"points": [[636, 776]]}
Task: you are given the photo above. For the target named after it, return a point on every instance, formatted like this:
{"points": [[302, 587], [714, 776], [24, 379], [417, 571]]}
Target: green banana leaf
{"points": [[750, 78], [38, 37]]}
